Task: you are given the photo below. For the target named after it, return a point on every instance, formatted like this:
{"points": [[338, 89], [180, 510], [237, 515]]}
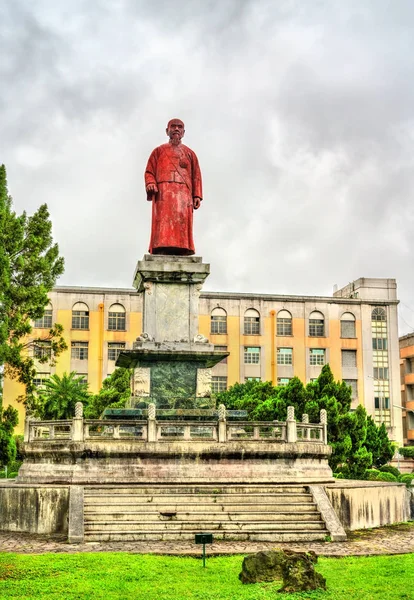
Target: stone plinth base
{"points": [[366, 504], [41, 509], [177, 462]]}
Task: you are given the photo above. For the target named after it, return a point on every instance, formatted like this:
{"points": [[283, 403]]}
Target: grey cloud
{"points": [[301, 114]]}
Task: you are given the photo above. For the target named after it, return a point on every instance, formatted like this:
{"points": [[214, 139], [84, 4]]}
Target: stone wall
{"points": [[366, 504], [34, 509]]}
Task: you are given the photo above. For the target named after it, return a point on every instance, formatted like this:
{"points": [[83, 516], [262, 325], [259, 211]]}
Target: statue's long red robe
{"points": [[176, 173]]}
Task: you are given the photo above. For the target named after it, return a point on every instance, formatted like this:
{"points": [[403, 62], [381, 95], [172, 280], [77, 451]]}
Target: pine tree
{"points": [[29, 267], [355, 439]]}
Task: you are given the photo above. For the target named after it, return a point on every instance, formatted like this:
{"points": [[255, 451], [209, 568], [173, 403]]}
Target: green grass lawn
{"points": [[123, 576]]}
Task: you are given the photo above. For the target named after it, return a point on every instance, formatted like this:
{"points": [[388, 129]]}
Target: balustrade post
{"points": [[27, 428], [116, 432], [152, 423], [222, 425], [324, 422], [51, 432], [77, 423], [291, 429], [187, 432], [306, 432]]}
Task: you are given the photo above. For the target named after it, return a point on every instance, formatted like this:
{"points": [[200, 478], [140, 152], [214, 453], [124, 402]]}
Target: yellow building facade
{"points": [[407, 386], [269, 337]]}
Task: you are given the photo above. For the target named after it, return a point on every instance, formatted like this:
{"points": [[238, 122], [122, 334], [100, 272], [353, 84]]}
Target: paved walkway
{"points": [[396, 539]]}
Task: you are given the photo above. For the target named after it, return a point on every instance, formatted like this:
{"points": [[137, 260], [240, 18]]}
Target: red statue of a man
{"points": [[173, 184]]}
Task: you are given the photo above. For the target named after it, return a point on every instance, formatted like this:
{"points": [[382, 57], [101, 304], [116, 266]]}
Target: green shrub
{"points": [[407, 478], [371, 474], [14, 466], [12, 475], [339, 475], [389, 469], [407, 451], [386, 477]]}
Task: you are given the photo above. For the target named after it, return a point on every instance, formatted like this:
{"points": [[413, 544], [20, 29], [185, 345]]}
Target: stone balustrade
{"points": [[151, 430]]}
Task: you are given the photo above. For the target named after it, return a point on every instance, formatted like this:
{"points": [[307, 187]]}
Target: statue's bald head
{"points": [[173, 121], [175, 130]]}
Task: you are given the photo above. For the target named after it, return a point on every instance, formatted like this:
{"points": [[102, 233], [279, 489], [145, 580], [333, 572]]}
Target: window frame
{"points": [[316, 327], [82, 316], [218, 379], [284, 352], [284, 325], [248, 352], [251, 322], [114, 346], [315, 352], [79, 346], [349, 352], [218, 324], [47, 316]]}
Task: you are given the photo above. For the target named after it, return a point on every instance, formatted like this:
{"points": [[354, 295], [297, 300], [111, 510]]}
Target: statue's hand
{"points": [[151, 188], [196, 203]]}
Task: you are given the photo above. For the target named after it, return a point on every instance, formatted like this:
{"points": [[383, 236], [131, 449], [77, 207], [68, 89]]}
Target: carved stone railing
{"points": [[151, 430], [268, 431], [50, 430]]}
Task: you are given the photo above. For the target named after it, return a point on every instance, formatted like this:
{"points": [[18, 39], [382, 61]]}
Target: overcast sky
{"points": [[301, 114]]}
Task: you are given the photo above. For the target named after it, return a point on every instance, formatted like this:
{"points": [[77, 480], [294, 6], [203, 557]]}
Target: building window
{"points": [[40, 378], [221, 349], [348, 325], [316, 356], [42, 350], [353, 384], [284, 356], [80, 316], [382, 403], [381, 373], [379, 344], [378, 314], [251, 322], [349, 358], [44, 322], [283, 380], [114, 348], [316, 324], [252, 379], [382, 412], [83, 377], [218, 384], [116, 318], [251, 356], [284, 323], [218, 321], [380, 358], [79, 350]]}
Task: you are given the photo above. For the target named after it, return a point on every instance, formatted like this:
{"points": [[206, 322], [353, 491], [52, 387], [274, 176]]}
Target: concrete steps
{"points": [[139, 513]]}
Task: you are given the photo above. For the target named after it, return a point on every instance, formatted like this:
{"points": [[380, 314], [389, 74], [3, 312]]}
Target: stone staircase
{"points": [[275, 513]]}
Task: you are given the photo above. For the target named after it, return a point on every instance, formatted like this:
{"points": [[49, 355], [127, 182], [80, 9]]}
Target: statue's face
{"points": [[175, 130]]}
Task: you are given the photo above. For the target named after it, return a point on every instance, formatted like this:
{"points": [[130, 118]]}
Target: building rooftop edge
{"points": [[407, 336], [233, 295]]}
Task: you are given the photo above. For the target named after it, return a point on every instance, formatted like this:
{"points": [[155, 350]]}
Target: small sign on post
{"points": [[204, 538]]}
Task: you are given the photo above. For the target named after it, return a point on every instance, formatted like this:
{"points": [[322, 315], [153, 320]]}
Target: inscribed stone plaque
{"points": [[203, 382], [172, 312], [141, 381]]}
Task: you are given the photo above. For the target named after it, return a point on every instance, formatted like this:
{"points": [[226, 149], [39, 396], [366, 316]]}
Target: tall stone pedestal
{"points": [[171, 360]]}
